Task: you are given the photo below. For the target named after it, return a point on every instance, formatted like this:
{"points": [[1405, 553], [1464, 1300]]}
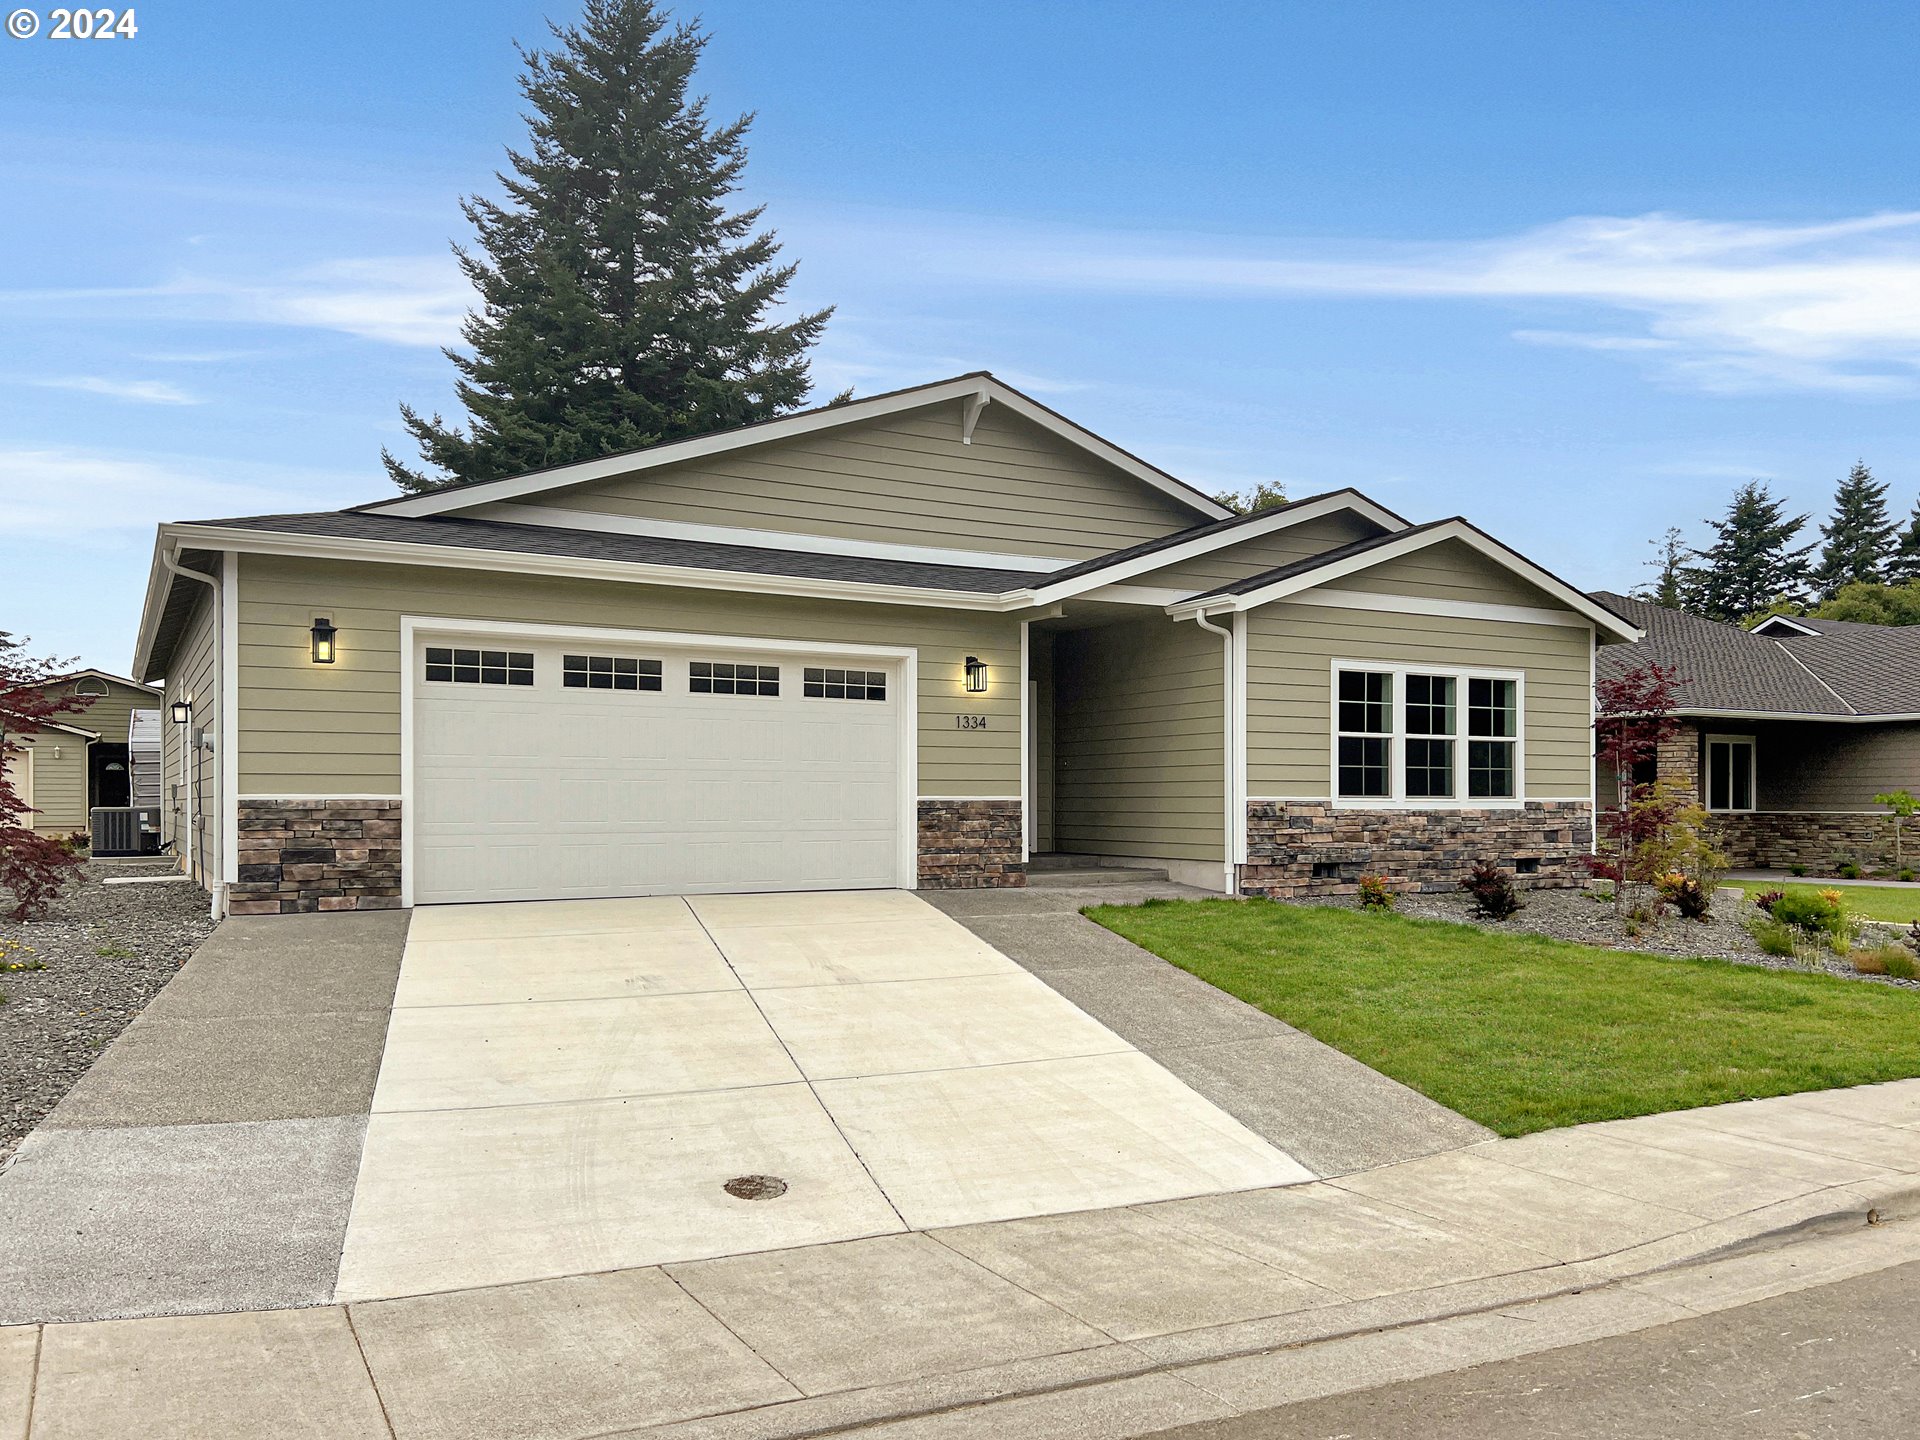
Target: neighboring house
{"points": [[906, 641], [1789, 730], [81, 759]]}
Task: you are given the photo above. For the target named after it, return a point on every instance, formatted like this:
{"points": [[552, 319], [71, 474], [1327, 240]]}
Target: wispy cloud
{"points": [[145, 392], [1716, 305], [70, 494]]}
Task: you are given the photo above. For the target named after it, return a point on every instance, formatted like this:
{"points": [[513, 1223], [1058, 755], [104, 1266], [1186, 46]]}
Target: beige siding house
{"points": [[915, 640], [83, 759]]}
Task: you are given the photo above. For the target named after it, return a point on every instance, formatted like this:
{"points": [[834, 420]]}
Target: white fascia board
{"points": [[102, 675], [329, 547], [1220, 540], [831, 417], [159, 583], [1601, 618], [552, 517], [1766, 626], [57, 725]]}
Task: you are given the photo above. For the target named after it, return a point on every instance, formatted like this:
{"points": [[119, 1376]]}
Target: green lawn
{"points": [[1875, 902], [1523, 1033]]}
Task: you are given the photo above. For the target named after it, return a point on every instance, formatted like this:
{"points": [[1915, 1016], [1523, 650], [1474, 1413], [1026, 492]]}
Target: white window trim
{"points": [[903, 662], [1706, 774], [1397, 798]]}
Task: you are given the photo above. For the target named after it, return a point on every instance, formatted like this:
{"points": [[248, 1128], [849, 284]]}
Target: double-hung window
{"points": [[1419, 736], [1730, 772]]}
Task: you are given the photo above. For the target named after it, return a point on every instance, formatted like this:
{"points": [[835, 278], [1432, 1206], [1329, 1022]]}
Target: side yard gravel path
{"points": [[56, 1021]]}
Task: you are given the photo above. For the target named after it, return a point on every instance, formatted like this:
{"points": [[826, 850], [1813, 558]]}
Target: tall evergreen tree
{"points": [[1752, 560], [621, 303], [1669, 587], [1859, 538], [1905, 564]]}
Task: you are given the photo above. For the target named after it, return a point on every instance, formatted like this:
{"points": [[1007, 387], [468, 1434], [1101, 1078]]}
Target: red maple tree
{"points": [[1633, 716], [33, 868]]}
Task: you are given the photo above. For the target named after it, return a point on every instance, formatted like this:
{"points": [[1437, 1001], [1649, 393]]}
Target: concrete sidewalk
{"points": [[1108, 1322]]}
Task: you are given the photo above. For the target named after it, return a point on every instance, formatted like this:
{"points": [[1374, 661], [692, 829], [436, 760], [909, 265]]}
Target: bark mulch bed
{"points": [[107, 950]]}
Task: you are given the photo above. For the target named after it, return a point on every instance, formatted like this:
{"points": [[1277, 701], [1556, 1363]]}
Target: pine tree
{"points": [[621, 303], [1669, 589], [1752, 561], [1905, 564], [1859, 537]]}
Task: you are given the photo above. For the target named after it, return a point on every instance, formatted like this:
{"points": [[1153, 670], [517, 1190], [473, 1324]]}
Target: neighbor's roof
{"points": [[1846, 671]]}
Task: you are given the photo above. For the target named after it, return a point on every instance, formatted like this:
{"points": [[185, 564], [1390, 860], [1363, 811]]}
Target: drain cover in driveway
{"points": [[755, 1187]]}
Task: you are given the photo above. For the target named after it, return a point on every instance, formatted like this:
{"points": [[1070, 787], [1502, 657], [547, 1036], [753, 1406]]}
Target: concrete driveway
{"points": [[568, 1087]]}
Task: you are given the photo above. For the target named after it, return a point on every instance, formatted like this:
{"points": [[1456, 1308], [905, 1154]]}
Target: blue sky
{"points": [[1573, 271]]}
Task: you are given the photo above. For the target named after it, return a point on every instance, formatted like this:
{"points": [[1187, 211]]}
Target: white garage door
{"points": [[551, 769]]}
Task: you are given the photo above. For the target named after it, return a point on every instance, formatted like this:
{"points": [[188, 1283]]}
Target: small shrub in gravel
{"points": [[1774, 937], [1375, 893], [1894, 960], [1687, 895], [1492, 892]]}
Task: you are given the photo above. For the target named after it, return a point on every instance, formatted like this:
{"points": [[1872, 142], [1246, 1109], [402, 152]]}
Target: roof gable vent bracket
{"points": [[970, 417]]}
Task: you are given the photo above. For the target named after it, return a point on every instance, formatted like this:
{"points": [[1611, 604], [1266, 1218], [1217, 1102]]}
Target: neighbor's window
{"points": [[608, 672], [1366, 734], [479, 667], [1730, 772], [1493, 736], [1398, 735], [724, 677], [824, 684]]}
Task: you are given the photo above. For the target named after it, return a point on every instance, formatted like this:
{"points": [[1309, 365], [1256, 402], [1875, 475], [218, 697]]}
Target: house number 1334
{"points": [[969, 722]]}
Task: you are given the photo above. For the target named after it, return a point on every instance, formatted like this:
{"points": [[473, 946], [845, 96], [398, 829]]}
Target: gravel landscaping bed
{"points": [[1577, 915], [56, 1021]]}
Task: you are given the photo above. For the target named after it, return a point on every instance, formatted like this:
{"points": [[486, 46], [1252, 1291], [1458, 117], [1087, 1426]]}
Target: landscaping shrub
{"points": [[1375, 893], [1848, 871], [1494, 897], [1796, 869], [1767, 898], [1905, 875], [1902, 966], [1774, 937], [1686, 894], [76, 843], [1811, 911]]}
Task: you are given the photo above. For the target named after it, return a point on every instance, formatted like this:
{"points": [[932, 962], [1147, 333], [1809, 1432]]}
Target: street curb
{"points": [[1320, 1351]]}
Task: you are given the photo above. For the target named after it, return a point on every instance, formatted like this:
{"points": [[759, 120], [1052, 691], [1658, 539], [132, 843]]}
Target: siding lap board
{"points": [[319, 729], [1290, 654], [905, 479]]}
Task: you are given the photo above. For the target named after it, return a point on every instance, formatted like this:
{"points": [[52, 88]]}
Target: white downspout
{"points": [[190, 745], [1231, 725]]}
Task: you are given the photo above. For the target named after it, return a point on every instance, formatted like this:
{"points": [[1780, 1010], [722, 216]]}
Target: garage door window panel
{"points": [[448, 664], [608, 672], [728, 677], [830, 683]]}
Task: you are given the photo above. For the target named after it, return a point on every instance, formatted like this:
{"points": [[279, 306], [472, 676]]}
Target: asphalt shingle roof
{"points": [[557, 541], [1848, 670]]}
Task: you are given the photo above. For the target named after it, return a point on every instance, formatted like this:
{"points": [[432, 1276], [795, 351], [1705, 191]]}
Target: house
{"points": [[910, 640], [1788, 730], [81, 758]]}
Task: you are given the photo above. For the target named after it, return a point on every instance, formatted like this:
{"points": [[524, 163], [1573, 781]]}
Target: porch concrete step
{"points": [[1051, 875]]}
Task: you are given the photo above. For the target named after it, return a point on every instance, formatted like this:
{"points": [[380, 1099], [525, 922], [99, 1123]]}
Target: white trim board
{"points": [[309, 799], [229, 756], [552, 517], [968, 388], [412, 627], [1451, 609]]}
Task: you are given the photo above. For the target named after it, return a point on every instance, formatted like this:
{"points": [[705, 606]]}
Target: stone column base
{"points": [[970, 845], [1309, 847], [302, 855]]}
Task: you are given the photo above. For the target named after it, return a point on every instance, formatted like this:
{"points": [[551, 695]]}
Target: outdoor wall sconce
{"points": [[182, 711], [323, 642], [976, 675]]}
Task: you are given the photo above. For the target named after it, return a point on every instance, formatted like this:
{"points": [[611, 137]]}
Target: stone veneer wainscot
{"points": [[300, 855], [970, 845], [1416, 849]]}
